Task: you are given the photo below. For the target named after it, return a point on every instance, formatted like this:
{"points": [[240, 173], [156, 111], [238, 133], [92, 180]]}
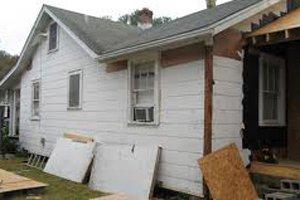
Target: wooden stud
{"points": [[208, 100], [267, 37]]}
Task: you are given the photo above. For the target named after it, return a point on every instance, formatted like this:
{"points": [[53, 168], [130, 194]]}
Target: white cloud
{"points": [[17, 17]]}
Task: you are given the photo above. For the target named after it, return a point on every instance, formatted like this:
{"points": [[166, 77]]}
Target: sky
{"points": [[18, 16]]}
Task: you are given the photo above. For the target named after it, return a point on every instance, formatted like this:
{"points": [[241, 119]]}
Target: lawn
{"points": [[58, 189]]}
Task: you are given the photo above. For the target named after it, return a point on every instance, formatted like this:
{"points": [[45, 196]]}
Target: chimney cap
{"points": [[145, 18]]}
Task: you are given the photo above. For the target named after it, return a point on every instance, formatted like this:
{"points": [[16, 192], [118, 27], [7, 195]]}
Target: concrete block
{"points": [[290, 185], [279, 196]]}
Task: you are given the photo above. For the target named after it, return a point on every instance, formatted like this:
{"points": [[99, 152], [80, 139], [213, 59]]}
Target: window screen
{"points": [[36, 99], [74, 90], [53, 36]]}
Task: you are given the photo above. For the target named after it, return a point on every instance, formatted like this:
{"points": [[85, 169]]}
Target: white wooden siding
{"points": [[227, 102], [103, 114]]}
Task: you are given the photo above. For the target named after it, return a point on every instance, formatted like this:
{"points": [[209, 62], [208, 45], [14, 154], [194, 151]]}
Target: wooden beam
{"points": [[208, 100]]}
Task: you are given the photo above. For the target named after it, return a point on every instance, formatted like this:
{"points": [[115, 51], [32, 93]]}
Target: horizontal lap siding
{"points": [[227, 102], [104, 113]]}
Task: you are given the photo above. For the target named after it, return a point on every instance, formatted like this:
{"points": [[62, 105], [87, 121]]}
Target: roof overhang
{"points": [[32, 43], [211, 30]]}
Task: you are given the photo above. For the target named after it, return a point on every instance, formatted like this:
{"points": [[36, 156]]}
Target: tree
{"points": [[132, 19], [7, 61]]}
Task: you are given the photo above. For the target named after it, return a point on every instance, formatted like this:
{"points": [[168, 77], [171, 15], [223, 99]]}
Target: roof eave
{"points": [[212, 29]]}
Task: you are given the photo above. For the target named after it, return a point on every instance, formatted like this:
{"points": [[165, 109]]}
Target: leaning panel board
{"points": [[70, 159], [126, 169], [226, 176]]}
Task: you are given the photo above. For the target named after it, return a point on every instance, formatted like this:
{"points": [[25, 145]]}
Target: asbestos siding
{"points": [[227, 102], [104, 111]]}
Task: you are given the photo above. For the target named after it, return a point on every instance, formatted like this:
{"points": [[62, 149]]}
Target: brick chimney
{"points": [[210, 3], [145, 18]]}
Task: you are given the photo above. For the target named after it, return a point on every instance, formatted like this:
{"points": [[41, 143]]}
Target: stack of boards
{"points": [[129, 170]]}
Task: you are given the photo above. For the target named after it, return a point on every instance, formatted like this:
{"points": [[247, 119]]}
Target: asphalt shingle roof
{"points": [[105, 36]]}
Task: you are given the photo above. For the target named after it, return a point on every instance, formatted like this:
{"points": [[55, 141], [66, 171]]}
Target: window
{"points": [[143, 107], [53, 37], [35, 99], [75, 87], [272, 91]]}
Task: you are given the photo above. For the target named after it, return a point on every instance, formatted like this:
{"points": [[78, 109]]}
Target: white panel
{"points": [[126, 169], [70, 160]]}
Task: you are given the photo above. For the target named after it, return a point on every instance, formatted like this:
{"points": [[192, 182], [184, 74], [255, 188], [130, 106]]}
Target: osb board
{"points": [[78, 138], [12, 182], [276, 170], [225, 175]]}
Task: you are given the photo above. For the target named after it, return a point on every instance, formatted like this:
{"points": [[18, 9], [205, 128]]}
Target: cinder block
{"points": [[290, 185], [279, 196]]}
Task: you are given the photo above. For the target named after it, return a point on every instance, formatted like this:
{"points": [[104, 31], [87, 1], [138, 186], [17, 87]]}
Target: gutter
{"points": [[210, 30]]}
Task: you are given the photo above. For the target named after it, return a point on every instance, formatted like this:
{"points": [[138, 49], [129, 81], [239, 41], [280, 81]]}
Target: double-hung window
{"points": [[53, 37], [144, 83], [75, 89], [271, 91], [35, 104]]}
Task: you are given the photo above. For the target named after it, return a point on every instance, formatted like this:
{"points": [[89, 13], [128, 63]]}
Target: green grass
{"points": [[58, 189]]}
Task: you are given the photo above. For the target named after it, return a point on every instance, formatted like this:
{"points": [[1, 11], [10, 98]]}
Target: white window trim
{"points": [[57, 38], [75, 72], [35, 117], [281, 121], [14, 114], [157, 67]]}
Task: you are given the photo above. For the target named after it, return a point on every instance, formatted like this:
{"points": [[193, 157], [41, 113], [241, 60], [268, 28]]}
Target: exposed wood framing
{"points": [[182, 55], [228, 43], [208, 104], [116, 66]]}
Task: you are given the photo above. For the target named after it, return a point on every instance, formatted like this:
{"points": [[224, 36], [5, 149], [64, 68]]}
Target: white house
{"points": [[179, 85]]}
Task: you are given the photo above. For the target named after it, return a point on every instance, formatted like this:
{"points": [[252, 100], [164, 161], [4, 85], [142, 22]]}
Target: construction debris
{"points": [[37, 161], [71, 158], [11, 182], [114, 197], [226, 176], [126, 169]]}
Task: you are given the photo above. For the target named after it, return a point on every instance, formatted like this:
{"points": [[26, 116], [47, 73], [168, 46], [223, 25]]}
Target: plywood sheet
{"points": [[114, 197], [126, 169], [277, 170], [70, 159], [12, 182], [226, 176]]}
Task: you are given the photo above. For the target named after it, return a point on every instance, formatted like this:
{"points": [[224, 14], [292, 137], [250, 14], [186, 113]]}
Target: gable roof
{"points": [[188, 23], [98, 34], [105, 39]]}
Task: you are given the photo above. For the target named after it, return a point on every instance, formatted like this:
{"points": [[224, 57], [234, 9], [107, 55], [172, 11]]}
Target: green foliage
{"points": [[132, 19], [7, 61], [7, 144]]}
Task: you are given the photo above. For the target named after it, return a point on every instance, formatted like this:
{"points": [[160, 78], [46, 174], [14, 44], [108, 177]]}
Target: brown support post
{"points": [[208, 107]]}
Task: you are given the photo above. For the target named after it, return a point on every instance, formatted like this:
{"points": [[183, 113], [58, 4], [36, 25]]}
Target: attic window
{"points": [[53, 37]]}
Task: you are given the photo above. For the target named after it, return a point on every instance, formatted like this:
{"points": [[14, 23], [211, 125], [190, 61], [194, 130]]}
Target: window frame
{"points": [[33, 116], [281, 110], [154, 57], [75, 72], [57, 37]]}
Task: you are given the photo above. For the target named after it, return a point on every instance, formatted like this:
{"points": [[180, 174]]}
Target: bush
{"points": [[7, 144]]}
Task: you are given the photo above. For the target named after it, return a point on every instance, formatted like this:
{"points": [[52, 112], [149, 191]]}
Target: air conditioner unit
{"points": [[143, 114]]}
